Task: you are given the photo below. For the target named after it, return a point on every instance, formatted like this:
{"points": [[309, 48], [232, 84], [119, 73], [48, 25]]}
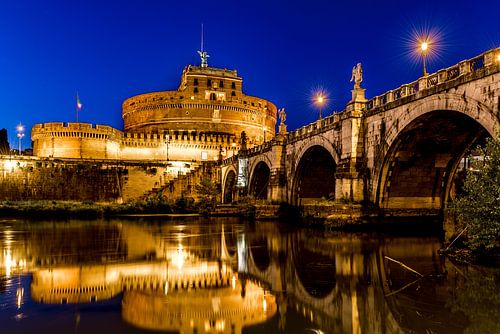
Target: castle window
{"points": [[213, 97], [195, 82], [209, 83], [221, 84], [233, 85], [233, 93], [195, 89]]}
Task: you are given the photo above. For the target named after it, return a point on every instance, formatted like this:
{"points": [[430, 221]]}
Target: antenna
{"points": [[203, 54]]}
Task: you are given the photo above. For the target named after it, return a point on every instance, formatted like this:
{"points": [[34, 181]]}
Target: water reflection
{"points": [[222, 276]]}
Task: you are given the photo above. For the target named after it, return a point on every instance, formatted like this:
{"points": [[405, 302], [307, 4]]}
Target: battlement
{"points": [[212, 71], [81, 130]]}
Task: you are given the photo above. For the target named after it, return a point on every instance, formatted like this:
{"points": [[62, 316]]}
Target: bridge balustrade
{"points": [[452, 73], [441, 76], [432, 80], [477, 63]]}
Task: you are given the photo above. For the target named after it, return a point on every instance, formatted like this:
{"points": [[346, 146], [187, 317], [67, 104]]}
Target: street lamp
{"points": [[265, 129], [167, 141], [234, 148], [424, 46], [20, 134], [320, 101]]}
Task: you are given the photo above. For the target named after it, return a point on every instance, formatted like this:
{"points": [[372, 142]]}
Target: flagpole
{"points": [[77, 101]]}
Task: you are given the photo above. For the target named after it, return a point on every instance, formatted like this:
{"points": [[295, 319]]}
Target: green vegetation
{"points": [[476, 297], [478, 209], [208, 192]]}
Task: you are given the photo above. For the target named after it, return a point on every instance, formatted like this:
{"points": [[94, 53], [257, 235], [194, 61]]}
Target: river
{"points": [[223, 275]]}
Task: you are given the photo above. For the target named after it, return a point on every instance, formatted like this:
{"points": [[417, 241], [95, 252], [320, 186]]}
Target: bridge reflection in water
{"points": [[222, 276]]}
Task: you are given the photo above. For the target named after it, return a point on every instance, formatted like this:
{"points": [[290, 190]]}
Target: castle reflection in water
{"points": [[223, 276]]}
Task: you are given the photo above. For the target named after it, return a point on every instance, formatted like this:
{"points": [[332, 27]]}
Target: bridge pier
{"points": [[349, 181]]}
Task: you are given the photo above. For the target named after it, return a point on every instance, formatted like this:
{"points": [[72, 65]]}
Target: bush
{"points": [[479, 208]]}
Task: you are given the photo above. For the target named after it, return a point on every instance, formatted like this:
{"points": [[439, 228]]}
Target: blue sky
{"points": [[284, 50]]}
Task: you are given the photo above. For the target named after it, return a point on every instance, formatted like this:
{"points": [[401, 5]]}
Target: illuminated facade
{"points": [[200, 120]]}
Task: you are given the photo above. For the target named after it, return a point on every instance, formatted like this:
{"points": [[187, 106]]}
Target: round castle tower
{"points": [[200, 120]]}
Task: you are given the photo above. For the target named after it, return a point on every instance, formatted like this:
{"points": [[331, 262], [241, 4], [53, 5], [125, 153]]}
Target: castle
{"points": [[200, 121]]}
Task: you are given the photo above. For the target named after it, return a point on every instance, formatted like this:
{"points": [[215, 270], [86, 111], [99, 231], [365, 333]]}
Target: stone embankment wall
{"points": [[184, 185], [29, 178]]}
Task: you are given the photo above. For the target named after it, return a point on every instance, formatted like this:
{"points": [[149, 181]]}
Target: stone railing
{"points": [[487, 59], [316, 127]]}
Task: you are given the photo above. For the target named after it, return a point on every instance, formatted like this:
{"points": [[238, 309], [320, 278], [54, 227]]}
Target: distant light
{"points": [[233, 282], [498, 57], [320, 99], [424, 46], [9, 164]]}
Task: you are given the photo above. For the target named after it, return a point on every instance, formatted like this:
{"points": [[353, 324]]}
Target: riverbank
{"points": [[89, 209]]}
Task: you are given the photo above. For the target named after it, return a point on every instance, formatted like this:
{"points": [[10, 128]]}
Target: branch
{"points": [[404, 266]]}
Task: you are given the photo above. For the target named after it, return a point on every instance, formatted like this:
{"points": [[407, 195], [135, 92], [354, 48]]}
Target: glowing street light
{"points": [[264, 129], [320, 100], [20, 134], [167, 142], [234, 148], [424, 47]]}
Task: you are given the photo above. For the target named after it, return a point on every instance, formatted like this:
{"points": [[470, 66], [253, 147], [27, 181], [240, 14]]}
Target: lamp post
{"points": [[264, 129], [424, 46], [167, 141], [320, 101], [20, 134]]}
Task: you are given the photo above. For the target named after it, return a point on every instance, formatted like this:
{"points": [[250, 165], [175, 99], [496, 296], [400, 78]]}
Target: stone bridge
{"points": [[400, 150]]}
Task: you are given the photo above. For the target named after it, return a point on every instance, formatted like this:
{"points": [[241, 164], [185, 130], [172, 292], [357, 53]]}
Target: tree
{"points": [[479, 208], [4, 143], [208, 194]]}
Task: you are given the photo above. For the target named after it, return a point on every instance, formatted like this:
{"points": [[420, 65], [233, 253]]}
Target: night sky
{"points": [[284, 50]]}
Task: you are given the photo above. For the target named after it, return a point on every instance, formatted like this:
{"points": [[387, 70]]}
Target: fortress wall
{"points": [[42, 180], [76, 140], [185, 185], [139, 180], [24, 178], [103, 142]]}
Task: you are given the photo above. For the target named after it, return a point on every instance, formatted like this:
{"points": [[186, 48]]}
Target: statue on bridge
{"points": [[357, 75], [282, 115]]}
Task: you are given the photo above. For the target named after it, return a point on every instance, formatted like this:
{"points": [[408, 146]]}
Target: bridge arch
{"points": [[316, 272], [260, 175], [424, 147], [314, 171], [229, 186]]}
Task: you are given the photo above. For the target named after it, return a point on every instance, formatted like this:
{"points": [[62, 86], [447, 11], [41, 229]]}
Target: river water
{"points": [[198, 275]]}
